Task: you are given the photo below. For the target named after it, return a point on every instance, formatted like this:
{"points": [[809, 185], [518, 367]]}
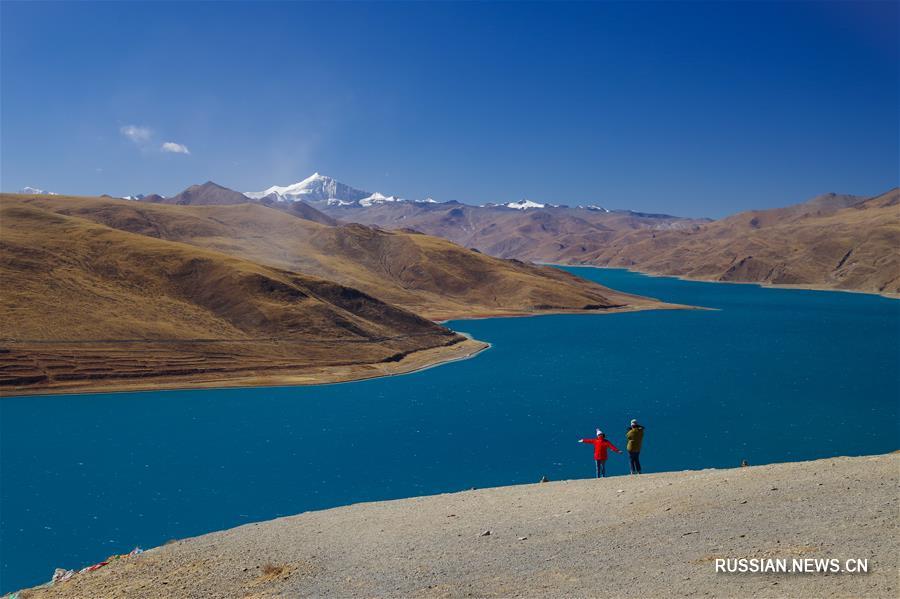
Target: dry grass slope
{"points": [[85, 302], [824, 243], [428, 275]]}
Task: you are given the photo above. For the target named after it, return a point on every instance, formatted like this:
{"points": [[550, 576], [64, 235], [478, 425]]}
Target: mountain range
{"points": [[317, 190], [801, 245], [324, 192], [832, 241]]}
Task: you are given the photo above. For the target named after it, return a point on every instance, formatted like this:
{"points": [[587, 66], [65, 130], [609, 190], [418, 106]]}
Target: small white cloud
{"points": [[135, 133], [171, 146]]}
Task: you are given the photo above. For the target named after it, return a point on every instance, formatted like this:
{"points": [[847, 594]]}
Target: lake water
{"points": [[772, 375]]}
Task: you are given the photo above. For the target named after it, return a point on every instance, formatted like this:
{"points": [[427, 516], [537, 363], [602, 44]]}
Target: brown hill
{"points": [[820, 244], [425, 274], [85, 304], [201, 195], [300, 209], [823, 205]]}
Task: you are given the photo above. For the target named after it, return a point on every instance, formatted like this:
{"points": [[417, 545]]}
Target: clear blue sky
{"points": [[699, 109]]}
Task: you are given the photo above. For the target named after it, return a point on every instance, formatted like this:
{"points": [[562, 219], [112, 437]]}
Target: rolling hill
{"points": [[425, 274], [85, 304], [201, 195], [840, 242]]}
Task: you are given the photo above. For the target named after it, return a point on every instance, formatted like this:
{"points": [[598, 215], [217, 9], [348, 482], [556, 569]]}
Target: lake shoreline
{"points": [[326, 375], [798, 287], [651, 305], [532, 539]]}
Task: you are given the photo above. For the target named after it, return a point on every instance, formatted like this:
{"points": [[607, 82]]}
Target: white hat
{"points": [[599, 432], [633, 421]]}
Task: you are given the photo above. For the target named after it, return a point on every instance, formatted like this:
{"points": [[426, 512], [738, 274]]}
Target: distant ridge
{"points": [[213, 194], [207, 194], [323, 191], [831, 241]]}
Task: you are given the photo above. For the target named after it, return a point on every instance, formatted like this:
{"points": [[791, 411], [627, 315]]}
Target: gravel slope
{"points": [[654, 535]]}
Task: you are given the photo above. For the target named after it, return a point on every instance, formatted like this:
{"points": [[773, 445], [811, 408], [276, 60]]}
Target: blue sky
{"points": [[699, 109]]}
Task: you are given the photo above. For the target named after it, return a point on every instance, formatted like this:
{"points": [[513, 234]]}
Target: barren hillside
{"points": [[425, 274], [820, 244], [84, 304]]}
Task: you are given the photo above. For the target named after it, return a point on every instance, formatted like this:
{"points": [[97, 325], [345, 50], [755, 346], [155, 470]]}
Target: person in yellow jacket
{"points": [[635, 437]]}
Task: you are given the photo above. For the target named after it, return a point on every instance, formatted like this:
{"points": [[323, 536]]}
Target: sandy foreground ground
{"points": [[655, 535]]}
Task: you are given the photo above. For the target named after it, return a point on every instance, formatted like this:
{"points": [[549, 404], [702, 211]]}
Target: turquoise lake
{"points": [[771, 375]]}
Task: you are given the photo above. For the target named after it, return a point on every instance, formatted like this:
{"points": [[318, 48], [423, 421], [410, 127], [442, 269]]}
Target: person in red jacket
{"points": [[600, 445]]}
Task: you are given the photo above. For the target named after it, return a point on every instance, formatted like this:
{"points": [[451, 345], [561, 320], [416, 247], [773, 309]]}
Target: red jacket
{"points": [[600, 446]]}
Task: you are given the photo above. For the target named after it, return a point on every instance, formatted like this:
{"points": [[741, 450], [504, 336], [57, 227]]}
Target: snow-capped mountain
{"points": [[321, 191], [325, 193], [138, 196], [378, 198], [527, 204], [36, 191], [339, 203], [316, 188]]}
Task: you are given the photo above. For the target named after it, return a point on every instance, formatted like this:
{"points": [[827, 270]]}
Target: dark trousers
{"points": [[601, 468], [635, 459]]}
